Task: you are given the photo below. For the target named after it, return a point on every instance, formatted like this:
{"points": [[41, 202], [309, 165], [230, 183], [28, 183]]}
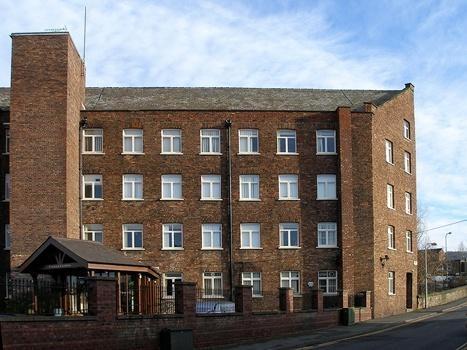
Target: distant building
{"points": [[457, 263], [219, 186]]}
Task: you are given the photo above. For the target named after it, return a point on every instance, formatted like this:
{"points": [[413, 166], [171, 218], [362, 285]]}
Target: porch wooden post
{"points": [[35, 288], [119, 295]]}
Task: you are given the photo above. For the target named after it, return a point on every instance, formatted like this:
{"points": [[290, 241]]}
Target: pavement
{"points": [[331, 336]]}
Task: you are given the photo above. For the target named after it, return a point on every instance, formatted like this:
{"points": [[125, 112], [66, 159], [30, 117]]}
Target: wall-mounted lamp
{"points": [[383, 259]]}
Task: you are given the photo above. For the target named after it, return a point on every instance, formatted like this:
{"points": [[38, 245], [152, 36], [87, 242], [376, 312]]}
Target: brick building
{"points": [[220, 186]]}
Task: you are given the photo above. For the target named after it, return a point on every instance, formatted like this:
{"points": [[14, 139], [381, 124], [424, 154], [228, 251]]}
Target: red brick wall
{"points": [[46, 94]]}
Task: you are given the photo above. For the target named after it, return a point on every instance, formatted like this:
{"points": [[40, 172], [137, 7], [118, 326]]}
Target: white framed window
{"points": [[7, 187], [248, 141], [391, 283], [132, 237], [93, 232], [408, 241], [291, 279], [408, 203], [172, 236], [326, 187], [289, 235], [327, 235], [7, 237], [407, 162], [133, 141], [171, 141], [406, 129], [92, 187], [288, 187], [250, 235], [211, 236], [249, 187], [391, 237], [93, 141], [389, 152], [211, 187], [132, 187], [327, 282], [286, 142], [326, 142], [169, 283], [171, 187], [210, 141], [253, 279], [390, 196], [7, 141], [212, 285]]}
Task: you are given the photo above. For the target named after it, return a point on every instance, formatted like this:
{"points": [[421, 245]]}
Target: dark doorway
{"points": [[409, 290]]}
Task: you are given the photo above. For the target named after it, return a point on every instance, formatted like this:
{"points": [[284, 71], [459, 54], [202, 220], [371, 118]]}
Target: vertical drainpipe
{"points": [[83, 124], [228, 125]]}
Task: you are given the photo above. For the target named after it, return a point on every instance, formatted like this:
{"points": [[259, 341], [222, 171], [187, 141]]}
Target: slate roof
{"points": [[456, 256], [223, 98]]}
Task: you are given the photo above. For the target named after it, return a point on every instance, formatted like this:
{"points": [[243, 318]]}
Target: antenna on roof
{"points": [[84, 39]]}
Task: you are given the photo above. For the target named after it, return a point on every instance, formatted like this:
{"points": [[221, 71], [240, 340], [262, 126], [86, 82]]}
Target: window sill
{"points": [[409, 251], [7, 248], [132, 199], [171, 154], [173, 249], [330, 294], [258, 296], [172, 199], [5, 153], [392, 294], [210, 154], [93, 154], [92, 199], [326, 153], [247, 248], [132, 249], [6, 201], [390, 163], [249, 200], [132, 154], [326, 199], [287, 154], [211, 200], [214, 249], [409, 213], [391, 208], [288, 248], [248, 154], [408, 173], [289, 199], [327, 246], [394, 249]]}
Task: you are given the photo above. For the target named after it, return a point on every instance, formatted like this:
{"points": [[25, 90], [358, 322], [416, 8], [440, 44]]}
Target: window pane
{"points": [[243, 144], [294, 190], [88, 191], [98, 144], [205, 145], [88, 144], [282, 143], [177, 145], [129, 239], [127, 190], [294, 238], [245, 239], [178, 239], [206, 239], [127, 145], [285, 238], [291, 145], [254, 144], [177, 190], [216, 189], [283, 190], [138, 145], [216, 147], [166, 145], [330, 145], [217, 240], [256, 239], [138, 239]]}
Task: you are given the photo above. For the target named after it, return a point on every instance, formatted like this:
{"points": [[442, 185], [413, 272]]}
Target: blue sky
{"points": [[312, 44]]}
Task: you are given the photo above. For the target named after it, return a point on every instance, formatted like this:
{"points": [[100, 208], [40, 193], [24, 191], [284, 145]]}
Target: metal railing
{"points": [[44, 297], [213, 301]]}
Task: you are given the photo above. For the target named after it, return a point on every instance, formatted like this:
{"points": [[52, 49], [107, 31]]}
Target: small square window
{"points": [[291, 279], [288, 187], [211, 236], [327, 282], [133, 236], [133, 141], [171, 141], [250, 236], [92, 187], [286, 142], [93, 141], [210, 187], [172, 236], [326, 187], [210, 141], [132, 187], [327, 235], [171, 187], [326, 142], [249, 187], [248, 141], [93, 232], [289, 236], [252, 279]]}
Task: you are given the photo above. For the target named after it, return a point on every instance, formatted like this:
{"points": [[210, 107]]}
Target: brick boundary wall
{"points": [[104, 329]]}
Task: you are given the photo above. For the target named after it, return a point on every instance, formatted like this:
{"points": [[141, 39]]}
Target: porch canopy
{"points": [[58, 255]]}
